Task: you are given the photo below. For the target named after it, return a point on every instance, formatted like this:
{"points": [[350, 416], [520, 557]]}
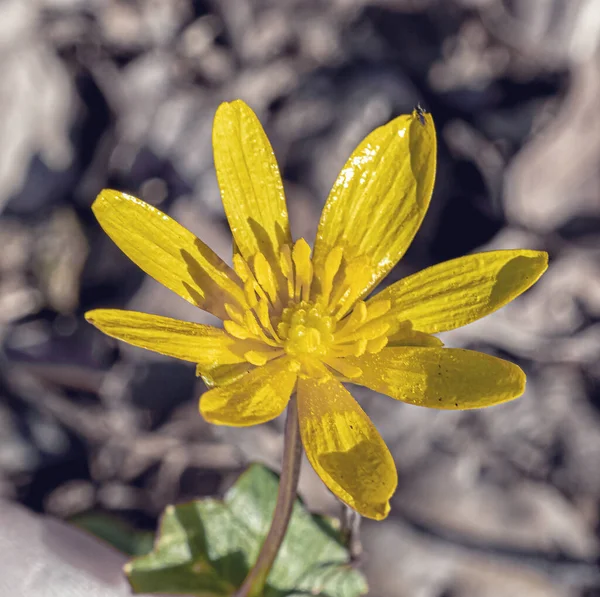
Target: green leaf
{"points": [[205, 548], [115, 532]]}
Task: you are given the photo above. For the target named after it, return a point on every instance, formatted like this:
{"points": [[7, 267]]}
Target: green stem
{"points": [[350, 530], [255, 582]]}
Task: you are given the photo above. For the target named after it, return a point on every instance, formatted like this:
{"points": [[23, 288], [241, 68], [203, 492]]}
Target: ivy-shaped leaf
{"points": [[116, 532], [205, 548]]}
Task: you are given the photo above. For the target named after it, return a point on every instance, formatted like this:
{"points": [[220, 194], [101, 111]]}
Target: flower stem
{"points": [[254, 584], [351, 532]]}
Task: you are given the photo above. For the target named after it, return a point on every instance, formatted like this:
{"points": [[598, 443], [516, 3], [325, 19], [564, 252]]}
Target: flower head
{"points": [[300, 322]]}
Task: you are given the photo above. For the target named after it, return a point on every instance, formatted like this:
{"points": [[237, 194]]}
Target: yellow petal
{"points": [[344, 447], [404, 335], [413, 338], [168, 252], [251, 187], [448, 378], [194, 342], [380, 197], [214, 375], [254, 398], [454, 293]]}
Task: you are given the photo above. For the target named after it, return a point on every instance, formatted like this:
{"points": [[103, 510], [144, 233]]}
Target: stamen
{"points": [[265, 277], [262, 311], [378, 308], [304, 270], [287, 268], [252, 324], [340, 291], [328, 273], [251, 286], [376, 345], [400, 328], [234, 313], [236, 330], [354, 349], [241, 267], [250, 292], [261, 357], [370, 331], [256, 330], [344, 367], [306, 329], [354, 320], [356, 277], [361, 347]]}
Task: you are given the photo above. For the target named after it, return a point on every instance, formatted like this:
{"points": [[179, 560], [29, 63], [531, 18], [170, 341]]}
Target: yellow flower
{"points": [[296, 323]]}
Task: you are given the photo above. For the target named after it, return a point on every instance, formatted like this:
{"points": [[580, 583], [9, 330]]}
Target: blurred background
{"points": [[117, 93]]}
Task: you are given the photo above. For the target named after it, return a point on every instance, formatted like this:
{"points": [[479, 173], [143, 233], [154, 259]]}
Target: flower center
{"points": [[325, 321], [305, 330]]}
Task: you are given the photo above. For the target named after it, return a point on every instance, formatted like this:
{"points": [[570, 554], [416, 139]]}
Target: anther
{"points": [[328, 273], [265, 277], [304, 270], [287, 268]]}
